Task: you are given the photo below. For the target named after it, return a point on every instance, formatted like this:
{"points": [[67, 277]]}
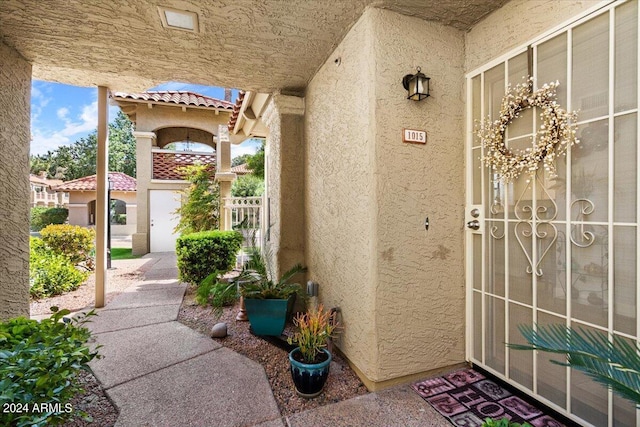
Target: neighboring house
{"points": [[43, 195], [348, 198], [162, 118], [242, 169], [82, 202]]}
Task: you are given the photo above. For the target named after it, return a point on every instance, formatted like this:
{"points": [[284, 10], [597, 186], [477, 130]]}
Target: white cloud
{"points": [[248, 147], [38, 102], [35, 92], [62, 112], [88, 121], [40, 143], [85, 123]]}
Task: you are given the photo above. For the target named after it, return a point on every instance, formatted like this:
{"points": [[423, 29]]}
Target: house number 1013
{"points": [[415, 136]]}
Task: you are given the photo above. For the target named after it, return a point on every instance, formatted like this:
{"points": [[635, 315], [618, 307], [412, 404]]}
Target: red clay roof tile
{"points": [[176, 97], [120, 182], [236, 110]]}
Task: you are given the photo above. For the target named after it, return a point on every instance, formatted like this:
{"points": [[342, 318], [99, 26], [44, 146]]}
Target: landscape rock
{"points": [[219, 330]]}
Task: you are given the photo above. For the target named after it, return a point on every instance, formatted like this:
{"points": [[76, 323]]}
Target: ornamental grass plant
{"points": [[315, 327]]}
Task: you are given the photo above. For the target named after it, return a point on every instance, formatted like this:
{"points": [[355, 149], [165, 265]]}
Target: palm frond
{"points": [[612, 362], [287, 275]]}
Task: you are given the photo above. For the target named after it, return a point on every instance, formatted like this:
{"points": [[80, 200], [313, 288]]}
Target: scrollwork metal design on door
{"points": [[585, 238], [533, 222]]}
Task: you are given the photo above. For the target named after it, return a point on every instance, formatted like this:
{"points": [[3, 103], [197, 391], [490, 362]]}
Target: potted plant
{"points": [[310, 361], [268, 301]]}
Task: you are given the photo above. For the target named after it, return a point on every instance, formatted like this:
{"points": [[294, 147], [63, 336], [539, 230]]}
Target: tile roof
{"points": [[236, 110], [120, 182], [175, 97], [44, 181], [242, 169]]}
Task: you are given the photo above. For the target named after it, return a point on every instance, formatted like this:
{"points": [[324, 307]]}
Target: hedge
{"points": [[72, 241], [42, 216], [50, 273], [200, 254]]}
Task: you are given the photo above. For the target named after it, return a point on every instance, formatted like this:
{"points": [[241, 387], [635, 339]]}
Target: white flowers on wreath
{"points": [[556, 133]]}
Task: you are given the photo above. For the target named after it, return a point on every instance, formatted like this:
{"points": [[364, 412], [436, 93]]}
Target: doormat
{"points": [[467, 397]]}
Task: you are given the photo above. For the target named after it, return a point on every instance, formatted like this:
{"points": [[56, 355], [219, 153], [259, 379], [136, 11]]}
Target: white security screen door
{"points": [[162, 220], [559, 250]]}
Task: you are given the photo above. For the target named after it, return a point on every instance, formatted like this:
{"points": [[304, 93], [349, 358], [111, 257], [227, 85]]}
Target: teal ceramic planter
{"points": [[268, 316], [308, 378]]}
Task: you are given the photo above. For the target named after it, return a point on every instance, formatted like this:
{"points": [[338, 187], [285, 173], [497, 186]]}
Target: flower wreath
{"points": [[556, 133]]}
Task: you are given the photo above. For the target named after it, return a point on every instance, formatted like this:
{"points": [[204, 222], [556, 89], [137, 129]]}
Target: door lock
{"points": [[474, 225]]}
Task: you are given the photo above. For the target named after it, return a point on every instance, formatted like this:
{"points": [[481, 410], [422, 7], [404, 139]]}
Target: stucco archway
{"points": [[162, 118]]}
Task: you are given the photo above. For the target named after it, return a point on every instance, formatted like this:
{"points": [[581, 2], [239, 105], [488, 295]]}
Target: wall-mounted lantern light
{"points": [[417, 85]]}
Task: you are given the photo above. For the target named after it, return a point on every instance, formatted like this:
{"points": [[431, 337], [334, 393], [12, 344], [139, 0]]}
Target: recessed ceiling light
{"points": [[178, 19]]}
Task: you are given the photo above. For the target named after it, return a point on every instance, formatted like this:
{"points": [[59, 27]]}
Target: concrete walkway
{"points": [[159, 372]]}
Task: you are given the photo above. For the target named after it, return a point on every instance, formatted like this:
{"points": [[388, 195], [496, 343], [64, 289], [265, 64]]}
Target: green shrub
{"points": [[40, 363], [247, 186], [72, 241], [120, 219], [200, 254], [50, 273], [42, 216], [200, 207], [212, 291]]}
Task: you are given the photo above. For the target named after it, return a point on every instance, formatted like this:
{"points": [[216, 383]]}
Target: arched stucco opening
{"points": [[187, 135], [91, 212], [118, 212]]}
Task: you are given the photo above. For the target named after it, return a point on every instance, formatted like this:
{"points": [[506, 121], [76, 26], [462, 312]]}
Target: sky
{"points": [[62, 114]]}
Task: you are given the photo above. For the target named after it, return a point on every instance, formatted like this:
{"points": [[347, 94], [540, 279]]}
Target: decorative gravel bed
{"points": [[123, 274], [93, 400], [342, 384]]}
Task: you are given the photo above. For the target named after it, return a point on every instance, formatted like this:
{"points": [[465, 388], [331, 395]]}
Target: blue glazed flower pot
{"points": [[267, 316], [309, 379]]}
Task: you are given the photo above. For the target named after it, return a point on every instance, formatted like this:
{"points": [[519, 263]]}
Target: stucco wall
{"points": [[159, 117], [340, 191], [420, 285], [285, 181], [516, 23], [399, 287], [15, 87], [79, 209]]}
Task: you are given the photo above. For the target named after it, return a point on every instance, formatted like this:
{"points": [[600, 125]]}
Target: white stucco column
{"points": [[224, 176], [102, 172], [144, 172], [284, 176]]}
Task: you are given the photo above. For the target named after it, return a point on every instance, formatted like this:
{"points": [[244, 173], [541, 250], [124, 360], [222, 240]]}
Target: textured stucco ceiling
{"points": [[260, 45]]}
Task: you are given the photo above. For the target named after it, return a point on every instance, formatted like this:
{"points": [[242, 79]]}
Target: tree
{"points": [[256, 162], [122, 145], [79, 159], [240, 160], [247, 186], [200, 210]]}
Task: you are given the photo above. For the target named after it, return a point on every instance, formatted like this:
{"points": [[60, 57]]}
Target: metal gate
{"points": [[559, 250]]}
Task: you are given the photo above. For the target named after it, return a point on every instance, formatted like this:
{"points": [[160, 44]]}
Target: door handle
{"points": [[474, 225]]}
